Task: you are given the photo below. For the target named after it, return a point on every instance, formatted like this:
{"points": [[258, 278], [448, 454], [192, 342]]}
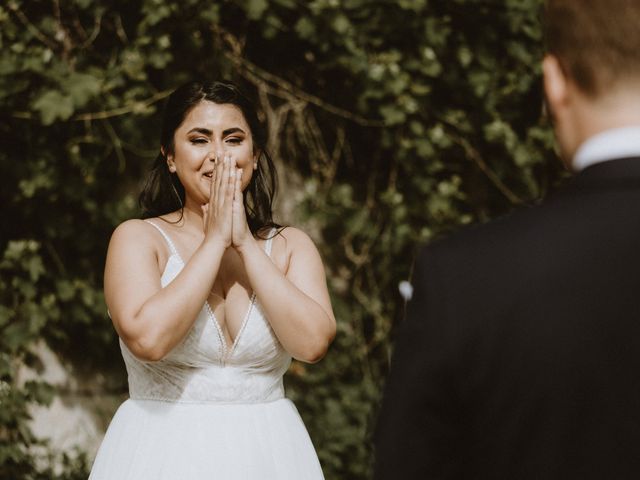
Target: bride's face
{"points": [[209, 131]]}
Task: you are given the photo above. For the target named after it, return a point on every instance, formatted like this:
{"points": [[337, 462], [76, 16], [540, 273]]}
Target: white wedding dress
{"points": [[209, 410]]}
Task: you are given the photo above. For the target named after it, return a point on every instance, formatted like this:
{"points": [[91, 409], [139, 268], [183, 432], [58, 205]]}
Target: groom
{"points": [[520, 354]]}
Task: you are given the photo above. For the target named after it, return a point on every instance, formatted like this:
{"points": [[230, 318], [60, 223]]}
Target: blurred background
{"points": [[392, 123]]}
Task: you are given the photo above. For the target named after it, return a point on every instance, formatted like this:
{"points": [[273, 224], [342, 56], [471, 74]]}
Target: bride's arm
{"points": [[297, 303], [149, 319], [152, 320]]}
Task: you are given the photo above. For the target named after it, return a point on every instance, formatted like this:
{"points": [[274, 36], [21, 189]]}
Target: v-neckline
{"points": [[227, 350]]}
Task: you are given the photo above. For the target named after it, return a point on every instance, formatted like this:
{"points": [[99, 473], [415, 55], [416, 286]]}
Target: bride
{"points": [[211, 299]]}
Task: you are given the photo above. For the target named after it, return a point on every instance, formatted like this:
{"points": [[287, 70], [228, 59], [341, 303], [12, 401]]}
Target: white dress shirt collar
{"points": [[608, 145]]}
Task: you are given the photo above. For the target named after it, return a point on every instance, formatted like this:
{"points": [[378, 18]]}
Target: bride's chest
{"points": [[255, 344], [228, 330]]}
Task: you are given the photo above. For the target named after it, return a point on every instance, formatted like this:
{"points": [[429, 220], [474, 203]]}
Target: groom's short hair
{"points": [[597, 42]]}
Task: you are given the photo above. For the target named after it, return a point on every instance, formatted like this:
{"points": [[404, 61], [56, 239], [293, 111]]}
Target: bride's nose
{"points": [[216, 154]]}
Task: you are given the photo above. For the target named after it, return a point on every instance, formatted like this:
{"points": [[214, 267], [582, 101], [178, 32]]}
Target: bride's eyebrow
{"points": [[203, 131], [229, 131]]}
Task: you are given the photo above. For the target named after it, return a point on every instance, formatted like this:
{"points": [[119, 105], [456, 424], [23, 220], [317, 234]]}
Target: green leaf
{"points": [[210, 13], [392, 115], [36, 268], [256, 8], [53, 105], [16, 335], [305, 28], [341, 24]]}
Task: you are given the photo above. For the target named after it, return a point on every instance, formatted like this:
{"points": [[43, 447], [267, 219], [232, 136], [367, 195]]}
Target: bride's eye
{"points": [[198, 140], [234, 140]]}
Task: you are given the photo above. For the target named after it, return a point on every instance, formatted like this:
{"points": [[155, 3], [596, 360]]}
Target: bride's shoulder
{"points": [[136, 234], [293, 241], [133, 226], [293, 234]]}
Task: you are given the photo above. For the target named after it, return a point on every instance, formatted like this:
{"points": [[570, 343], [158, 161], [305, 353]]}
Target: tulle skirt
{"points": [[154, 440]]}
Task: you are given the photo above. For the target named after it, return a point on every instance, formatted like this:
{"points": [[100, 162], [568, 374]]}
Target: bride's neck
{"points": [[191, 217]]}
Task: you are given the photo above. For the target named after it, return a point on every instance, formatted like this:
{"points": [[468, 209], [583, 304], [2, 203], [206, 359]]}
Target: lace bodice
{"points": [[203, 368]]}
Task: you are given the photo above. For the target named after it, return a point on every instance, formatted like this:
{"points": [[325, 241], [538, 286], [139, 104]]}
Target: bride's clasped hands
{"points": [[224, 216]]}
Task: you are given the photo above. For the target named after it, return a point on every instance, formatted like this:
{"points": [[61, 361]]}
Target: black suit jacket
{"points": [[520, 354]]}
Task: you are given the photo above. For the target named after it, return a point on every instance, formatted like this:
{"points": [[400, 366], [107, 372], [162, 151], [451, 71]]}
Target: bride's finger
{"points": [[237, 191], [212, 186], [224, 182], [219, 166], [231, 177]]}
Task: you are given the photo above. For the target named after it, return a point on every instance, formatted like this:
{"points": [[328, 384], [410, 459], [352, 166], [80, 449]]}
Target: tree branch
{"points": [[475, 156], [31, 27], [116, 112], [104, 114], [280, 85]]}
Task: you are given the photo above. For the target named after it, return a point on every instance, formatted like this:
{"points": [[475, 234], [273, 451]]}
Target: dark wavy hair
{"points": [[163, 193]]}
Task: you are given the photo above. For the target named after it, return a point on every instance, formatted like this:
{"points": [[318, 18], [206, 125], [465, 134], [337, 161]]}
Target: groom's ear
{"points": [[556, 85], [565, 103]]}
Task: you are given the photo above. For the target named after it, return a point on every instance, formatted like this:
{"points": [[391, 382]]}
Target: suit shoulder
{"points": [[476, 235]]}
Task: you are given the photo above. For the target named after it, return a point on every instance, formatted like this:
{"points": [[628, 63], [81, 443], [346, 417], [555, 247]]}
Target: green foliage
{"points": [[405, 120], [28, 305]]}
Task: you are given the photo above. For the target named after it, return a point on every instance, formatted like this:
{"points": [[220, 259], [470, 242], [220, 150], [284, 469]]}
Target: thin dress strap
{"points": [[268, 243], [172, 247]]}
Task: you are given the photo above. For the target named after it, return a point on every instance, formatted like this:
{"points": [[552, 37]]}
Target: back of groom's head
{"points": [[597, 42]]}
